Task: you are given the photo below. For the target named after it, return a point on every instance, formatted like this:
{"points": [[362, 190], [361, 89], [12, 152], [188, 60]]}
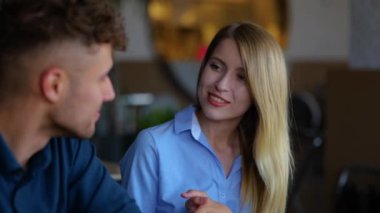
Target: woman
{"points": [[231, 149]]}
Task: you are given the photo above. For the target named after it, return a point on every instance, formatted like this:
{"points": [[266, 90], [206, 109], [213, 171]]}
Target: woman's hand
{"points": [[198, 202]]}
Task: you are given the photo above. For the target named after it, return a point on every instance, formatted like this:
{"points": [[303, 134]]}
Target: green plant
{"points": [[154, 117]]}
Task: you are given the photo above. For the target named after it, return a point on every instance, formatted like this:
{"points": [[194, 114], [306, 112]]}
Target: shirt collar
{"points": [[41, 159], [186, 119], [9, 164], [183, 119]]}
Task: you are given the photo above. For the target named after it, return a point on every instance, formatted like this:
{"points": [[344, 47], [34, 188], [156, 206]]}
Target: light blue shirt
{"points": [[171, 158]]}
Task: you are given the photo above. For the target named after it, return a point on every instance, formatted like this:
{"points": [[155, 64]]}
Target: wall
{"points": [[319, 30]]}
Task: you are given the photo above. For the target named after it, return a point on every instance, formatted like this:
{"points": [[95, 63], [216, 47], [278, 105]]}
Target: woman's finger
{"points": [[193, 193]]}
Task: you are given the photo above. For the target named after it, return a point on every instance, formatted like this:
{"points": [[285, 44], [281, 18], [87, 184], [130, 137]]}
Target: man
{"points": [[55, 56]]}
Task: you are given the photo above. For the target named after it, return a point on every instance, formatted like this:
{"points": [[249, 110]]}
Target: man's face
{"points": [[88, 86]]}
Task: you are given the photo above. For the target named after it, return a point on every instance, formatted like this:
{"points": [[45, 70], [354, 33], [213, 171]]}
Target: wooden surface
{"points": [[114, 169]]}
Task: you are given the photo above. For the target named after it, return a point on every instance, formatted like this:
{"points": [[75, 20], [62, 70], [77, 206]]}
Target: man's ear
{"points": [[52, 84]]}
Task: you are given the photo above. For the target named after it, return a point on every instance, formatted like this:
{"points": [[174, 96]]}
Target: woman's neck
{"points": [[224, 138], [220, 133]]}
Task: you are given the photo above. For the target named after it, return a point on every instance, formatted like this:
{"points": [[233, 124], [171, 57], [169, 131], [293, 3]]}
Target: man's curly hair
{"points": [[25, 24]]}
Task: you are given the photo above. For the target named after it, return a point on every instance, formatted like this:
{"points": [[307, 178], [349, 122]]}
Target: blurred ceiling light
{"points": [[181, 28]]}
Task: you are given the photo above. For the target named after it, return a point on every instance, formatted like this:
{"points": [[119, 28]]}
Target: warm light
{"points": [[159, 11], [182, 28]]}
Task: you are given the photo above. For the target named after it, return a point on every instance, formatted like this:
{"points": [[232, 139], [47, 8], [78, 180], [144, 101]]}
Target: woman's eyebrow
{"points": [[224, 64], [218, 59]]}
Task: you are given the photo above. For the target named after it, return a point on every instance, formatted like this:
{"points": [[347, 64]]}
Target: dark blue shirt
{"points": [[65, 176]]}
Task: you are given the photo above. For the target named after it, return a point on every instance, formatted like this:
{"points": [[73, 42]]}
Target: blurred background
{"points": [[332, 48]]}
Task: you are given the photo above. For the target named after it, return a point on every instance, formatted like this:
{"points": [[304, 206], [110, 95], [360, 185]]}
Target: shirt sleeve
{"points": [[92, 189], [139, 170]]}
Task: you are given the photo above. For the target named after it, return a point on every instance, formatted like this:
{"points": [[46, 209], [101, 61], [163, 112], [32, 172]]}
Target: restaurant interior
{"points": [[332, 50]]}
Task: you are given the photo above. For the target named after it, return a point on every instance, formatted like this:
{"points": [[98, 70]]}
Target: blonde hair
{"points": [[265, 147]]}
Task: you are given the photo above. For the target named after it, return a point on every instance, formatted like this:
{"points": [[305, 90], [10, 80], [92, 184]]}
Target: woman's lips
{"points": [[216, 100]]}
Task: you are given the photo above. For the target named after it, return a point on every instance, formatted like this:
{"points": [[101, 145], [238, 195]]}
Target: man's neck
{"points": [[25, 146], [21, 128]]}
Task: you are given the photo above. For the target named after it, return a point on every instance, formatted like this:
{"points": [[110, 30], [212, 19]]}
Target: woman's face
{"points": [[223, 90]]}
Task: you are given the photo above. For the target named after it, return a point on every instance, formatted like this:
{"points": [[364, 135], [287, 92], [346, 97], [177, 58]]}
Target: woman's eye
{"points": [[214, 66], [241, 77]]}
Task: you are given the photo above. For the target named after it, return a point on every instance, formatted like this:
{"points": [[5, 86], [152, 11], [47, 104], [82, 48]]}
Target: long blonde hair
{"points": [[265, 147]]}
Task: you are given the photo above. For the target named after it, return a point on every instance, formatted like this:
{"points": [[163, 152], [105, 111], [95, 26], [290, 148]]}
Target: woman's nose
{"points": [[222, 84]]}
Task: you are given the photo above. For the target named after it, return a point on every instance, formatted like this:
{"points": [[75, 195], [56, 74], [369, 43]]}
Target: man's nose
{"points": [[109, 93]]}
